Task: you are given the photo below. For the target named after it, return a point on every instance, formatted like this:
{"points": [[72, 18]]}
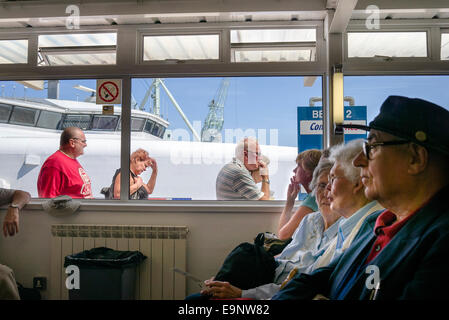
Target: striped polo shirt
{"points": [[234, 182]]}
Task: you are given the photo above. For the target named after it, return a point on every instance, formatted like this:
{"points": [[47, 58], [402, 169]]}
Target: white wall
{"points": [[213, 232]]}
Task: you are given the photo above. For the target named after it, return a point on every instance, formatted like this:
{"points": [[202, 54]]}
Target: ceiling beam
{"points": [[342, 16], [403, 4], [111, 8]]}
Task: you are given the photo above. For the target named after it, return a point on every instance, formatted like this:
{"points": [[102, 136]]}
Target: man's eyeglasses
{"points": [[83, 141], [368, 147]]}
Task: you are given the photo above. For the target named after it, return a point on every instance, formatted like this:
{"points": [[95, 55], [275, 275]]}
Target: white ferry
{"points": [[30, 131]]}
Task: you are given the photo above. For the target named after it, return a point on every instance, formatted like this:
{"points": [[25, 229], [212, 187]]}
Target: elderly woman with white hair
{"points": [[341, 193], [309, 242], [347, 197], [346, 194]]}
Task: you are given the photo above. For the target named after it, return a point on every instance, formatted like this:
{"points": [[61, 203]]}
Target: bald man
{"points": [[61, 173]]}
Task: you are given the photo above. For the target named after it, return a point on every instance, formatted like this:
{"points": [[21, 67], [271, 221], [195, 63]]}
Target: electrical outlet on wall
{"points": [[40, 283]]}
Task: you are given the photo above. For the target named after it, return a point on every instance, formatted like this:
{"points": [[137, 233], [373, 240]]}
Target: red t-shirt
{"points": [[62, 175]]}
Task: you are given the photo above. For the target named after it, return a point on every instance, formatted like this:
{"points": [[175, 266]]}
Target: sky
{"points": [[260, 102]]}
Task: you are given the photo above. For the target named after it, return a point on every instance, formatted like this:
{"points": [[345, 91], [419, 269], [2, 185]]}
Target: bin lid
{"points": [[105, 257]]}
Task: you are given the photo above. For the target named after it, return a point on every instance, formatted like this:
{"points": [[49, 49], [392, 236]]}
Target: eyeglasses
{"points": [[83, 141], [367, 147]]}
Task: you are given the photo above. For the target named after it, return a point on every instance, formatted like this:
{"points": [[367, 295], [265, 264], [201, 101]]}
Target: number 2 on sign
{"points": [[348, 114]]}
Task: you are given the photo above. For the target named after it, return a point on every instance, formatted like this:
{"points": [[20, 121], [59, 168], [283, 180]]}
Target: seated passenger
{"points": [[16, 199], [345, 194], [234, 181], [138, 189], [399, 253], [61, 173], [306, 162], [309, 241]]}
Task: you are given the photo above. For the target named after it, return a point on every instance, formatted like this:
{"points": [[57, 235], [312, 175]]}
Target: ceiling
{"points": [[51, 13]]}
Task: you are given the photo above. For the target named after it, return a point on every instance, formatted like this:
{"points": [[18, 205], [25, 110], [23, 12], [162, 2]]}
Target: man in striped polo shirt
{"points": [[234, 181]]}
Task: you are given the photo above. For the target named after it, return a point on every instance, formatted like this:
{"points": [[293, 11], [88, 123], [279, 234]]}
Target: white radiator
{"points": [[164, 246]]}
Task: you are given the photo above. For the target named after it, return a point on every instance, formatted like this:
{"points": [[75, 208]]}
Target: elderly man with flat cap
{"points": [[401, 252]]}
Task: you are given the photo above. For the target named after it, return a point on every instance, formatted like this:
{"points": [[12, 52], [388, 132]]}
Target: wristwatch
{"points": [[14, 205], [266, 181]]}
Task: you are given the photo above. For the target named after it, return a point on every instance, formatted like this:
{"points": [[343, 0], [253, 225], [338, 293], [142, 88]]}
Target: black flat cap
{"points": [[412, 119]]}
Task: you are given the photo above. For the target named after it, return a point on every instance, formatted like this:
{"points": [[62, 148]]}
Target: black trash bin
{"points": [[105, 274]]}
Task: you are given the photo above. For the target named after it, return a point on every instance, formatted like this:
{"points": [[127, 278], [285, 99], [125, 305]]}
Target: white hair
{"points": [[323, 166], [344, 154], [243, 145]]}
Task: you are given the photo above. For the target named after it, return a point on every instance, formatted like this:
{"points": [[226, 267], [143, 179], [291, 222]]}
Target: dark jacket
{"points": [[413, 265]]}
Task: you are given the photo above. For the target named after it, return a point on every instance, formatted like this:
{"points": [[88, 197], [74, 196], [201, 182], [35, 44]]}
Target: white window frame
{"points": [[432, 64]]}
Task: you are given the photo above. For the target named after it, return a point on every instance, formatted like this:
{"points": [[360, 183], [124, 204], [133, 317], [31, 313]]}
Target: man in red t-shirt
{"points": [[61, 173]]}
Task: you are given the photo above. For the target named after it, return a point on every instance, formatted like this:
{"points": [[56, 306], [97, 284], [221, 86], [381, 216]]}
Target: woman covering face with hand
{"points": [[138, 189]]}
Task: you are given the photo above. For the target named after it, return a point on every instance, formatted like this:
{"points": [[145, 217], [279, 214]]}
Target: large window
{"points": [[31, 126], [195, 124]]}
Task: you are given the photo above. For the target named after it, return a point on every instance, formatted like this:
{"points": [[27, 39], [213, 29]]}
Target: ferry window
{"points": [[214, 114], [49, 119], [149, 126], [162, 132], [156, 130], [104, 123], [276, 45], [24, 116], [387, 44], [137, 124], [13, 51], [445, 46], [75, 120], [5, 111], [181, 47], [77, 49]]}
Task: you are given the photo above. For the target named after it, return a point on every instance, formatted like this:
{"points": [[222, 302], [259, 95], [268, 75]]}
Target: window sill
{"points": [[186, 206]]}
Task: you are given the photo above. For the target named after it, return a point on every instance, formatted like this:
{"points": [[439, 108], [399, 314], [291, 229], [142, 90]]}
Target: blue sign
{"points": [[310, 126]]}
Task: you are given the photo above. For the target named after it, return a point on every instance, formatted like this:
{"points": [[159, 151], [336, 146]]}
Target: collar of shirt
{"points": [[240, 164], [347, 224], [331, 232], [387, 224]]}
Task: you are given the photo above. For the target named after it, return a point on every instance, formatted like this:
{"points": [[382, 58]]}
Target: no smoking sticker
{"points": [[109, 91]]}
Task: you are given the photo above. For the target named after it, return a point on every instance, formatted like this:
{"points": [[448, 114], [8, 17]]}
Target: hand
{"points": [[292, 191], [263, 169], [221, 290], [152, 163], [139, 182], [256, 176], [11, 222]]}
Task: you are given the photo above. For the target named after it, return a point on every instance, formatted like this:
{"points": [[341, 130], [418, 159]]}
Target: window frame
{"points": [[144, 34], [403, 65]]}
